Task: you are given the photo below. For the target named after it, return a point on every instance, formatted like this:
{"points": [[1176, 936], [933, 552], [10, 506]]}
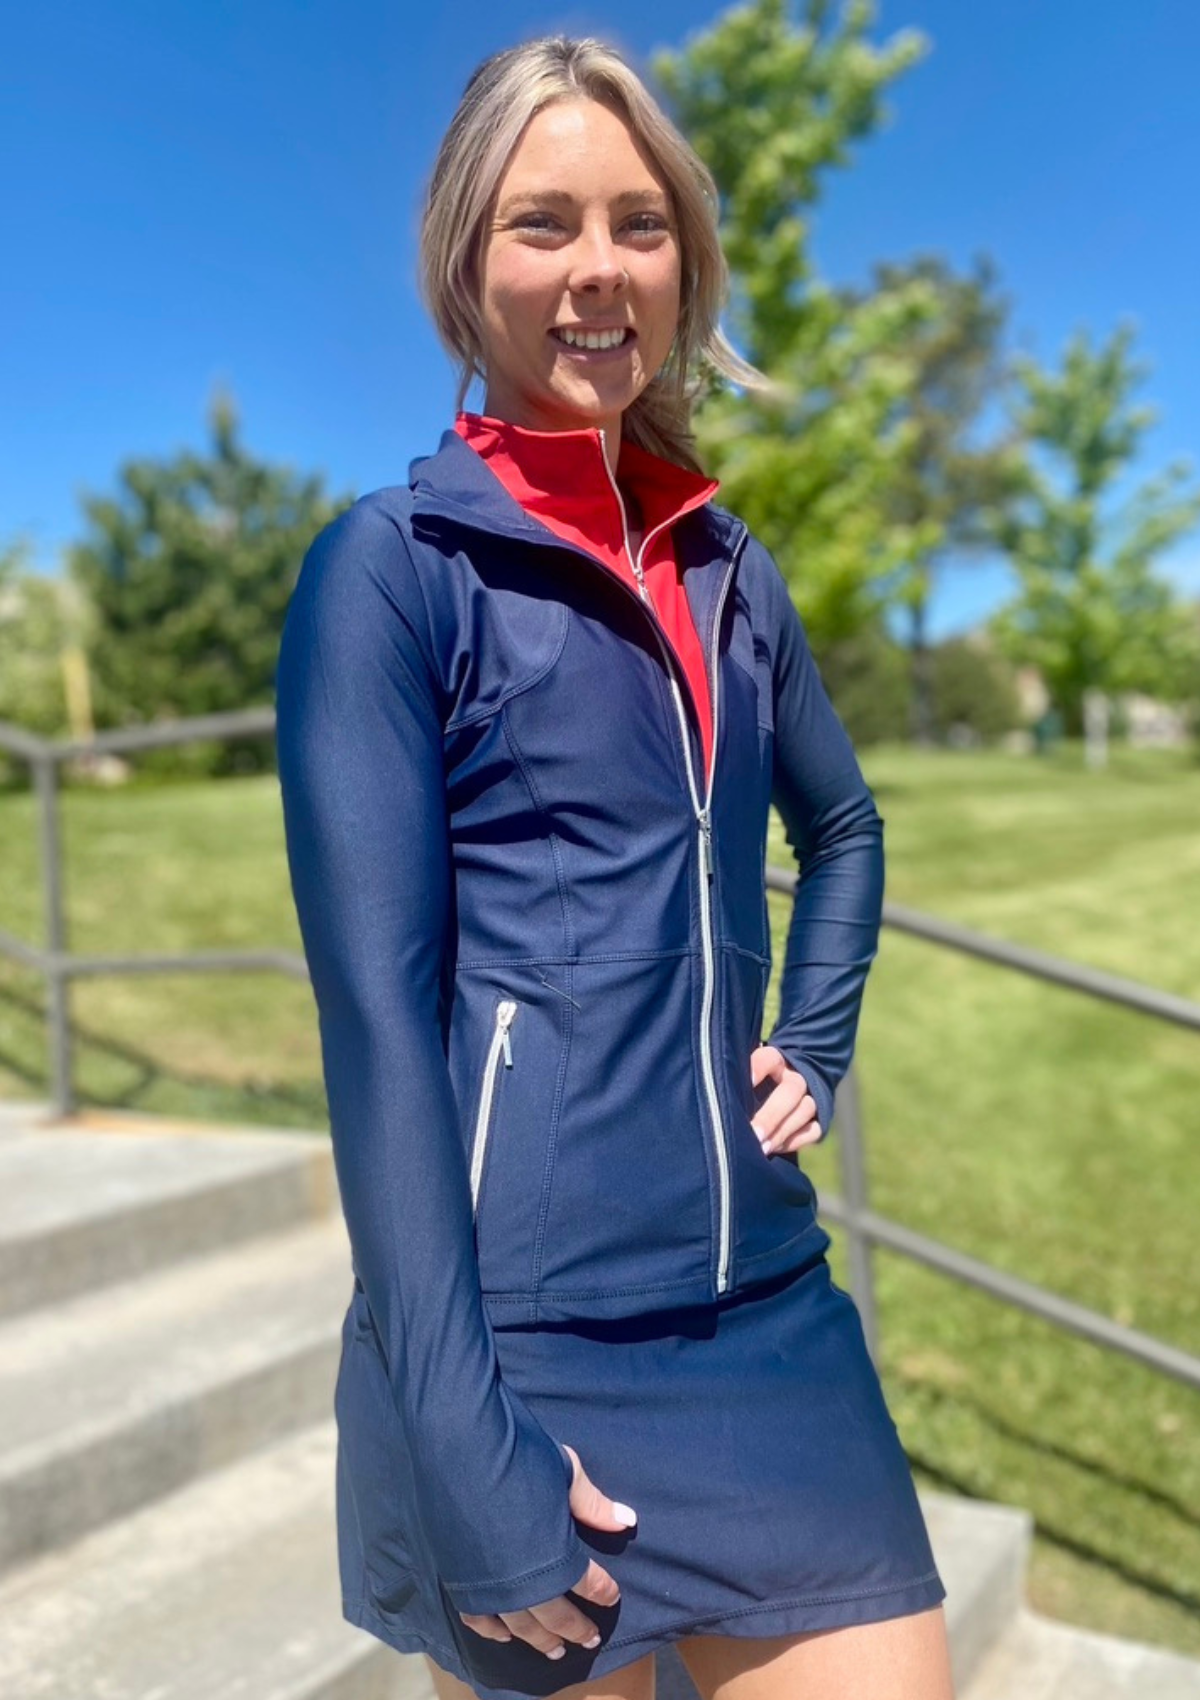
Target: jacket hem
{"points": [[605, 1303]]}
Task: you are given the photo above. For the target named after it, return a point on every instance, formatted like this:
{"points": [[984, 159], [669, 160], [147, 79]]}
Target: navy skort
{"points": [[752, 1438]]}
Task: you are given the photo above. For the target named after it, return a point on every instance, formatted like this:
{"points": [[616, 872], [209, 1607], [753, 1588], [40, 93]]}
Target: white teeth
{"points": [[591, 339]]}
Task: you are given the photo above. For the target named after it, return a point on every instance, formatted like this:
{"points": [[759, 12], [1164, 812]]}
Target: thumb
{"points": [[766, 1063], [591, 1506]]}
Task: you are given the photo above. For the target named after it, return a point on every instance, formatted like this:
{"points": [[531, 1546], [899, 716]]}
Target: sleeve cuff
{"points": [[822, 1092], [516, 1593]]}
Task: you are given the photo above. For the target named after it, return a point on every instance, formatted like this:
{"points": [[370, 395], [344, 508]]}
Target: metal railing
{"points": [[55, 960], [865, 1228]]}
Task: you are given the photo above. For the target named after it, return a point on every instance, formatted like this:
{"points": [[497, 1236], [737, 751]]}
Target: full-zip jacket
{"points": [[537, 930]]}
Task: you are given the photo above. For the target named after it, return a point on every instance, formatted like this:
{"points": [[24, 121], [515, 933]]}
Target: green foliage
{"points": [[770, 105], [188, 569], [35, 625], [1091, 614], [973, 687], [868, 678], [943, 478]]}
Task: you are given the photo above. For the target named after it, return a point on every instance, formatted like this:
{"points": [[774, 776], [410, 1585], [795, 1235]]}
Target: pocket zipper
{"points": [[505, 1015]]}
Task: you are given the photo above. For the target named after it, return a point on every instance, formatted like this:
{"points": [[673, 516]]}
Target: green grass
{"points": [[1052, 1135], [1048, 1133]]}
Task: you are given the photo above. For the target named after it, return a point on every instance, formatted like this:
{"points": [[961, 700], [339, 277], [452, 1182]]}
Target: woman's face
{"points": [[582, 247]]}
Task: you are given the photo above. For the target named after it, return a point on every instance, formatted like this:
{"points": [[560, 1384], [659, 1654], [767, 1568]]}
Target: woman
{"points": [[533, 708]]}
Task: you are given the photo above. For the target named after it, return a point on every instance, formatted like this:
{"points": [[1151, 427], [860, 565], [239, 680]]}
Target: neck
{"points": [[609, 429]]}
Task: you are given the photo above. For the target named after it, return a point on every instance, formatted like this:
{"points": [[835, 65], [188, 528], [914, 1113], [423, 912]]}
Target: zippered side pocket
{"points": [[501, 1045]]}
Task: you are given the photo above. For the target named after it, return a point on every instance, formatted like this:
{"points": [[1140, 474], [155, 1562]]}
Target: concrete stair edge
{"points": [[227, 1587], [176, 1194], [116, 1398]]}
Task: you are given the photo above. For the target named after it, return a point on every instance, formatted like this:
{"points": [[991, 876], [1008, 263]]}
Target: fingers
{"points": [[786, 1120], [551, 1624], [548, 1626], [591, 1506], [597, 1585]]}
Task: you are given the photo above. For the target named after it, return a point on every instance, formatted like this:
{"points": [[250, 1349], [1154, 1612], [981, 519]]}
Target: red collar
{"points": [[563, 477]]}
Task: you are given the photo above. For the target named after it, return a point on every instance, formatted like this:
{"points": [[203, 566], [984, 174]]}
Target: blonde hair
{"points": [[502, 96]]}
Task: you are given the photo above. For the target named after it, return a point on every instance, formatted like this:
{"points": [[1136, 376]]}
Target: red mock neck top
{"points": [[562, 479]]}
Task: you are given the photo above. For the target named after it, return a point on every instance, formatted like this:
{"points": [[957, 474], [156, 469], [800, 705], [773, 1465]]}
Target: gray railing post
{"points": [[58, 1010], [859, 1248]]}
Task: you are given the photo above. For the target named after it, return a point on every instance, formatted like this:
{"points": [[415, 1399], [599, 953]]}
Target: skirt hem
{"points": [[765, 1621]]}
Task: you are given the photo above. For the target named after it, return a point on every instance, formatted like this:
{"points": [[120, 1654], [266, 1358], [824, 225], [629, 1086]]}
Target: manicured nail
{"points": [[758, 1133], [557, 1653], [595, 1640], [624, 1514]]}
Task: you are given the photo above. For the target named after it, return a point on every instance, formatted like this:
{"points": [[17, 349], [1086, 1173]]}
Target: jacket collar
{"points": [[455, 483], [563, 479]]}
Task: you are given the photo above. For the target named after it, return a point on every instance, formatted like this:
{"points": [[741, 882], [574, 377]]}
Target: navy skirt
{"points": [[752, 1439]]}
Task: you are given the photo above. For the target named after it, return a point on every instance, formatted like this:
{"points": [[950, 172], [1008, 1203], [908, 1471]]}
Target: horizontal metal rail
{"points": [[1027, 1295], [865, 1228]]}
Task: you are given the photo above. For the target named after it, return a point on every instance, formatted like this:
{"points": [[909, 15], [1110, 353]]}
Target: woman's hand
{"points": [[551, 1624], [786, 1119]]}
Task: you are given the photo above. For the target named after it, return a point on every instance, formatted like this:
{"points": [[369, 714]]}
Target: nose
{"points": [[596, 267]]}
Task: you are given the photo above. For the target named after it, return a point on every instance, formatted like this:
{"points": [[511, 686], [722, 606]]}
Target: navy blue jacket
{"points": [[539, 946]]}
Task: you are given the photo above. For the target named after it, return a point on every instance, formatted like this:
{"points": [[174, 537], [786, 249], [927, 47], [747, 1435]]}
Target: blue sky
{"points": [[203, 192]]}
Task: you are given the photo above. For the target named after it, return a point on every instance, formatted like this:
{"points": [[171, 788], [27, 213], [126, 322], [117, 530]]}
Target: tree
{"points": [[972, 686], [770, 106], [1091, 615], [867, 677], [35, 626], [942, 479], [188, 570]]}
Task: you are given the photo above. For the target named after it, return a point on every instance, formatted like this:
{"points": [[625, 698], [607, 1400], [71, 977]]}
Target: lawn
{"points": [[1046, 1132]]}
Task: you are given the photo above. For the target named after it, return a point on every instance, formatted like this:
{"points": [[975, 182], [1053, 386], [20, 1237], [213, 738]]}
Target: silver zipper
{"points": [[506, 1012], [703, 813]]}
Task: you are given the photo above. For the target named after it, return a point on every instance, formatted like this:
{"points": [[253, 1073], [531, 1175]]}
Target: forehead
{"points": [[578, 145]]}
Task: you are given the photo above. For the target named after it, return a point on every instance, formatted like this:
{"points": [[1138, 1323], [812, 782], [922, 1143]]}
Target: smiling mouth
{"points": [[593, 341]]}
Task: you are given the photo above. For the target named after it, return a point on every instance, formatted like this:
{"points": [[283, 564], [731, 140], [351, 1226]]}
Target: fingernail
{"points": [[758, 1133], [624, 1514], [595, 1640], [557, 1653]]}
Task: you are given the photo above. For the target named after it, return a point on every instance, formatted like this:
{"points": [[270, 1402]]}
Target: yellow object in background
{"points": [[77, 686]]}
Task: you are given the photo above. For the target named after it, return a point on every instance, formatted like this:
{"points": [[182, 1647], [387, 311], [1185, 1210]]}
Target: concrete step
{"points": [[111, 1399], [981, 1551], [102, 1197], [225, 1590], [1042, 1660]]}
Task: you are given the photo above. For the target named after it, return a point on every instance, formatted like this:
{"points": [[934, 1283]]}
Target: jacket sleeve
{"points": [[360, 748], [836, 835]]}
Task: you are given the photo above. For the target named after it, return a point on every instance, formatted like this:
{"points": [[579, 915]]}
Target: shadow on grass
{"points": [[299, 1106], [1051, 1530]]}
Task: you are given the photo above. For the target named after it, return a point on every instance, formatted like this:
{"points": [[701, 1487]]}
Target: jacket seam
{"points": [[560, 877], [494, 708], [539, 1238], [744, 950], [565, 1295], [558, 960], [774, 1250]]}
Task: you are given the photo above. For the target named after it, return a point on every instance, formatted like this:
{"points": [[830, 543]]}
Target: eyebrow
{"points": [[562, 198]]}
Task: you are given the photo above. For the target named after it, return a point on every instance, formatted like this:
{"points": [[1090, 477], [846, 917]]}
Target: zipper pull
{"points": [[706, 856], [505, 1015]]}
